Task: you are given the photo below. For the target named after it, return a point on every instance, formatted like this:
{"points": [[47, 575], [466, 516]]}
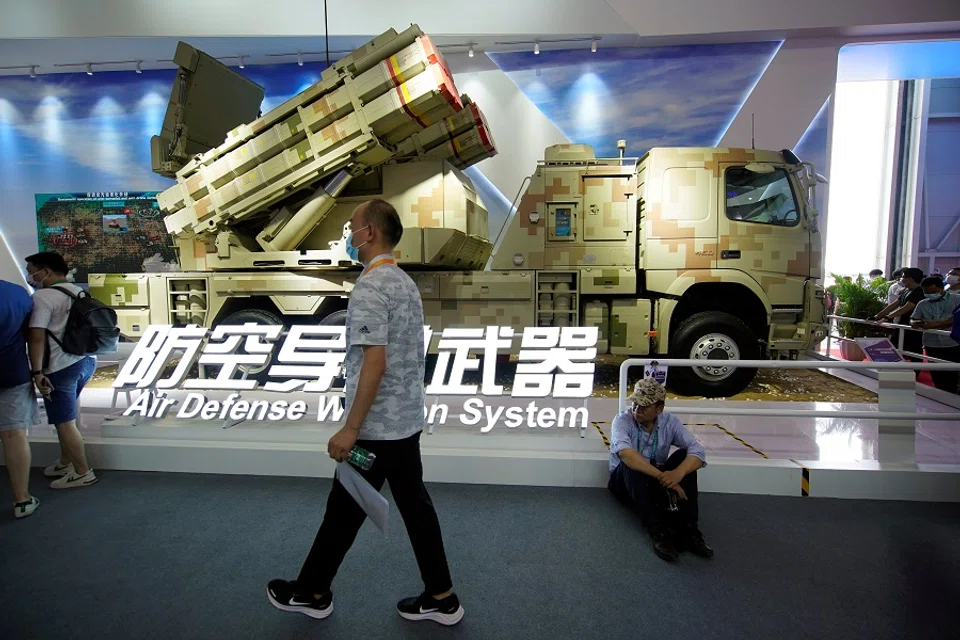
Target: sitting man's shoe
{"points": [[447, 611], [663, 544], [694, 543], [285, 595]]}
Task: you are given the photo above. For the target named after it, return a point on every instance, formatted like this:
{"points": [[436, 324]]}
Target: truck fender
{"points": [[690, 278]]}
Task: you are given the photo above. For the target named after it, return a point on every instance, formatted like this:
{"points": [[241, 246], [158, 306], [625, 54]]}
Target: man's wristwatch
{"points": [[36, 373]]}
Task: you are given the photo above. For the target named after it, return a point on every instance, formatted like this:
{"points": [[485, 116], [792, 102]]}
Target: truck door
{"points": [[762, 232]]}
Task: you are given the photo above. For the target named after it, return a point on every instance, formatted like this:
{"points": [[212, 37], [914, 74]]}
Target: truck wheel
{"points": [[720, 338], [335, 319], [257, 316]]}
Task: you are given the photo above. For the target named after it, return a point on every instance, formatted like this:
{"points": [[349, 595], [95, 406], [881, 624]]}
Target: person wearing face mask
{"points": [[953, 280], [936, 312], [660, 486], [900, 310], [59, 376], [384, 363]]}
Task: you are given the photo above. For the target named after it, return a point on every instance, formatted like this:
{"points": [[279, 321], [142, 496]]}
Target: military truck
{"points": [[702, 253]]}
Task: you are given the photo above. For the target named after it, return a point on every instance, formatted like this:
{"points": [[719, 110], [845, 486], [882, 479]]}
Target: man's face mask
{"points": [[354, 252], [934, 296], [35, 279], [953, 280]]}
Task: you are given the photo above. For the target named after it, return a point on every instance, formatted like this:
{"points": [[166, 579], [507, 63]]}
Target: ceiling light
{"points": [[470, 53], [89, 69], [593, 45], [241, 61], [536, 48], [139, 69], [33, 71], [300, 59]]}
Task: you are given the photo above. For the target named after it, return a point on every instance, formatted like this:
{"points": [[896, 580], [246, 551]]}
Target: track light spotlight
{"points": [[33, 71], [593, 46], [89, 69], [139, 68], [470, 53], [300, 59], [242, 58], [536, 48]]}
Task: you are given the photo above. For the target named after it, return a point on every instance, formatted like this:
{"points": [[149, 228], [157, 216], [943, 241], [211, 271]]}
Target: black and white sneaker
{"points": [[447, 611], [285, 596]]}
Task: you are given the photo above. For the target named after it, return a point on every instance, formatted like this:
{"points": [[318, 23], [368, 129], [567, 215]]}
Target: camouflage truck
{"points": [[710, 254]]}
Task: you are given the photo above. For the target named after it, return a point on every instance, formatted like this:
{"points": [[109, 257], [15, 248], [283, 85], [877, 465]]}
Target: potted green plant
{"points": [[857, 298]]}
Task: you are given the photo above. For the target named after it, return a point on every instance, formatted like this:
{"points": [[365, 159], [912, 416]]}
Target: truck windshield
{"points": [[764, 198]]}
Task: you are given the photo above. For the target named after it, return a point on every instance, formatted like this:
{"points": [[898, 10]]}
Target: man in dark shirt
{"points": [[899, 311], [18, 402]]}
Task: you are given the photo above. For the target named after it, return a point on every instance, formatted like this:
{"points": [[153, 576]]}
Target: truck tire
{"points": [[335, 319], [257, 316], [716, 336]]}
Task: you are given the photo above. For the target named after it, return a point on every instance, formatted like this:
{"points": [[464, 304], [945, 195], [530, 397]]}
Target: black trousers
{"points": [[645, 494], [945, 380], [398, 462]]}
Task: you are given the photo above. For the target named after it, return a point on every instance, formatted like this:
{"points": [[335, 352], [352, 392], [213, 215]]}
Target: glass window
{"points": [[765, 198]]}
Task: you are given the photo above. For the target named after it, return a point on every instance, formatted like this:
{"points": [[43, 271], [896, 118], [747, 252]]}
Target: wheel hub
{"points": [[719, 348]]}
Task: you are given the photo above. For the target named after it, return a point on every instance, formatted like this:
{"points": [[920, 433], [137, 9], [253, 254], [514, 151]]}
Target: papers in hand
{"points": [[373, 504]]}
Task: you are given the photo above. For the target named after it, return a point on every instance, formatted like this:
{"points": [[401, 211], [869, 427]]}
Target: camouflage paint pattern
{"points": [[624, 238]]}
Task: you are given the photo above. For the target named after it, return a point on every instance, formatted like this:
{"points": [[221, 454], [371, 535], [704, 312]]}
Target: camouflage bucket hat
{"points": [[647, 392]]}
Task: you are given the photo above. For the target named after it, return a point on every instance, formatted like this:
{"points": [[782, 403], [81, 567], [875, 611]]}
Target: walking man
{"points": [[384, 400], [59, 376], [18, 402]]}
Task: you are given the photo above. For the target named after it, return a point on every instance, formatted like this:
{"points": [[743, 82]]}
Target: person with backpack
{"points": [[59, 374]]}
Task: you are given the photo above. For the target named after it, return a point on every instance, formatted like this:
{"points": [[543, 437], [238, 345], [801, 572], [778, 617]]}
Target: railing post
{"points": [[896, 439]]}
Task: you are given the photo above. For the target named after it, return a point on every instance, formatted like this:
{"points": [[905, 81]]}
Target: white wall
{"points": [[788, 97], [860, 169], [649, 18], [520, 131]]}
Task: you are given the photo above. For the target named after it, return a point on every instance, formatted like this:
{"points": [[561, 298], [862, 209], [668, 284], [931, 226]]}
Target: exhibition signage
{"points": [[553, 362]]}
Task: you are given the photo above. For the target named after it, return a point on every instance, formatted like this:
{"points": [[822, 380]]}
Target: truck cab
{"points": [[694, 253]]}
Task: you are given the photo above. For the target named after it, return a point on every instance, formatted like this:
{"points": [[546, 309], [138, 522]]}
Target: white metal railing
{"points": [[835, 321], [796, 364]]}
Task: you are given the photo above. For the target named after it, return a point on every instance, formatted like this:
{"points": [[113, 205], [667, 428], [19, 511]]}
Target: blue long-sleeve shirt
{"points": [[628, 434]]}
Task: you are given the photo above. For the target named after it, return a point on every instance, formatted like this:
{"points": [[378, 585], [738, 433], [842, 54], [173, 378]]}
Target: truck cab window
{"points": [[765, 198]]}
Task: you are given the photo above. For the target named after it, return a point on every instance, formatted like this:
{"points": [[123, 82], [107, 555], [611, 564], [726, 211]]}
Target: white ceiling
{"points": [[114, 34]]}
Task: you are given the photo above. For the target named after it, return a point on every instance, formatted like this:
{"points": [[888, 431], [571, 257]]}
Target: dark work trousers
{"points": [[398, 462], [645, 494], [945, 380]]}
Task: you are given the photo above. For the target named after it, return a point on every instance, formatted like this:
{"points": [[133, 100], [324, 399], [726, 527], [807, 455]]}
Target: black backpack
{"points": [[91, 326]]}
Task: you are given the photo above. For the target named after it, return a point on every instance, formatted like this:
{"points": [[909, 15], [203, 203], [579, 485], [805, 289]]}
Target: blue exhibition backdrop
{"points": [[78, 133], [650, 96]]}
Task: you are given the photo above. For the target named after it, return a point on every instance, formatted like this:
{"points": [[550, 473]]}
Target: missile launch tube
{"points": [[309, 216]]}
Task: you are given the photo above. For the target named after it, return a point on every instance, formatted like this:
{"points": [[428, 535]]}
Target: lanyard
{"points": [[656, 440], [380, 263]]}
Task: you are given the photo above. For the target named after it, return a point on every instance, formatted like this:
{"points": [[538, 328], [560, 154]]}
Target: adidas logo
{"points": [[364, 329]]}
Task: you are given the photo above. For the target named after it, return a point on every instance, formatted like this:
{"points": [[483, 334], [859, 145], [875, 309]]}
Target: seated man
{"points": [[663, 489]]}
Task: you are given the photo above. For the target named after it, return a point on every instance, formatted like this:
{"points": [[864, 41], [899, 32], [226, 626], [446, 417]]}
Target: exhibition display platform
{"points": [[815, 457]]}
